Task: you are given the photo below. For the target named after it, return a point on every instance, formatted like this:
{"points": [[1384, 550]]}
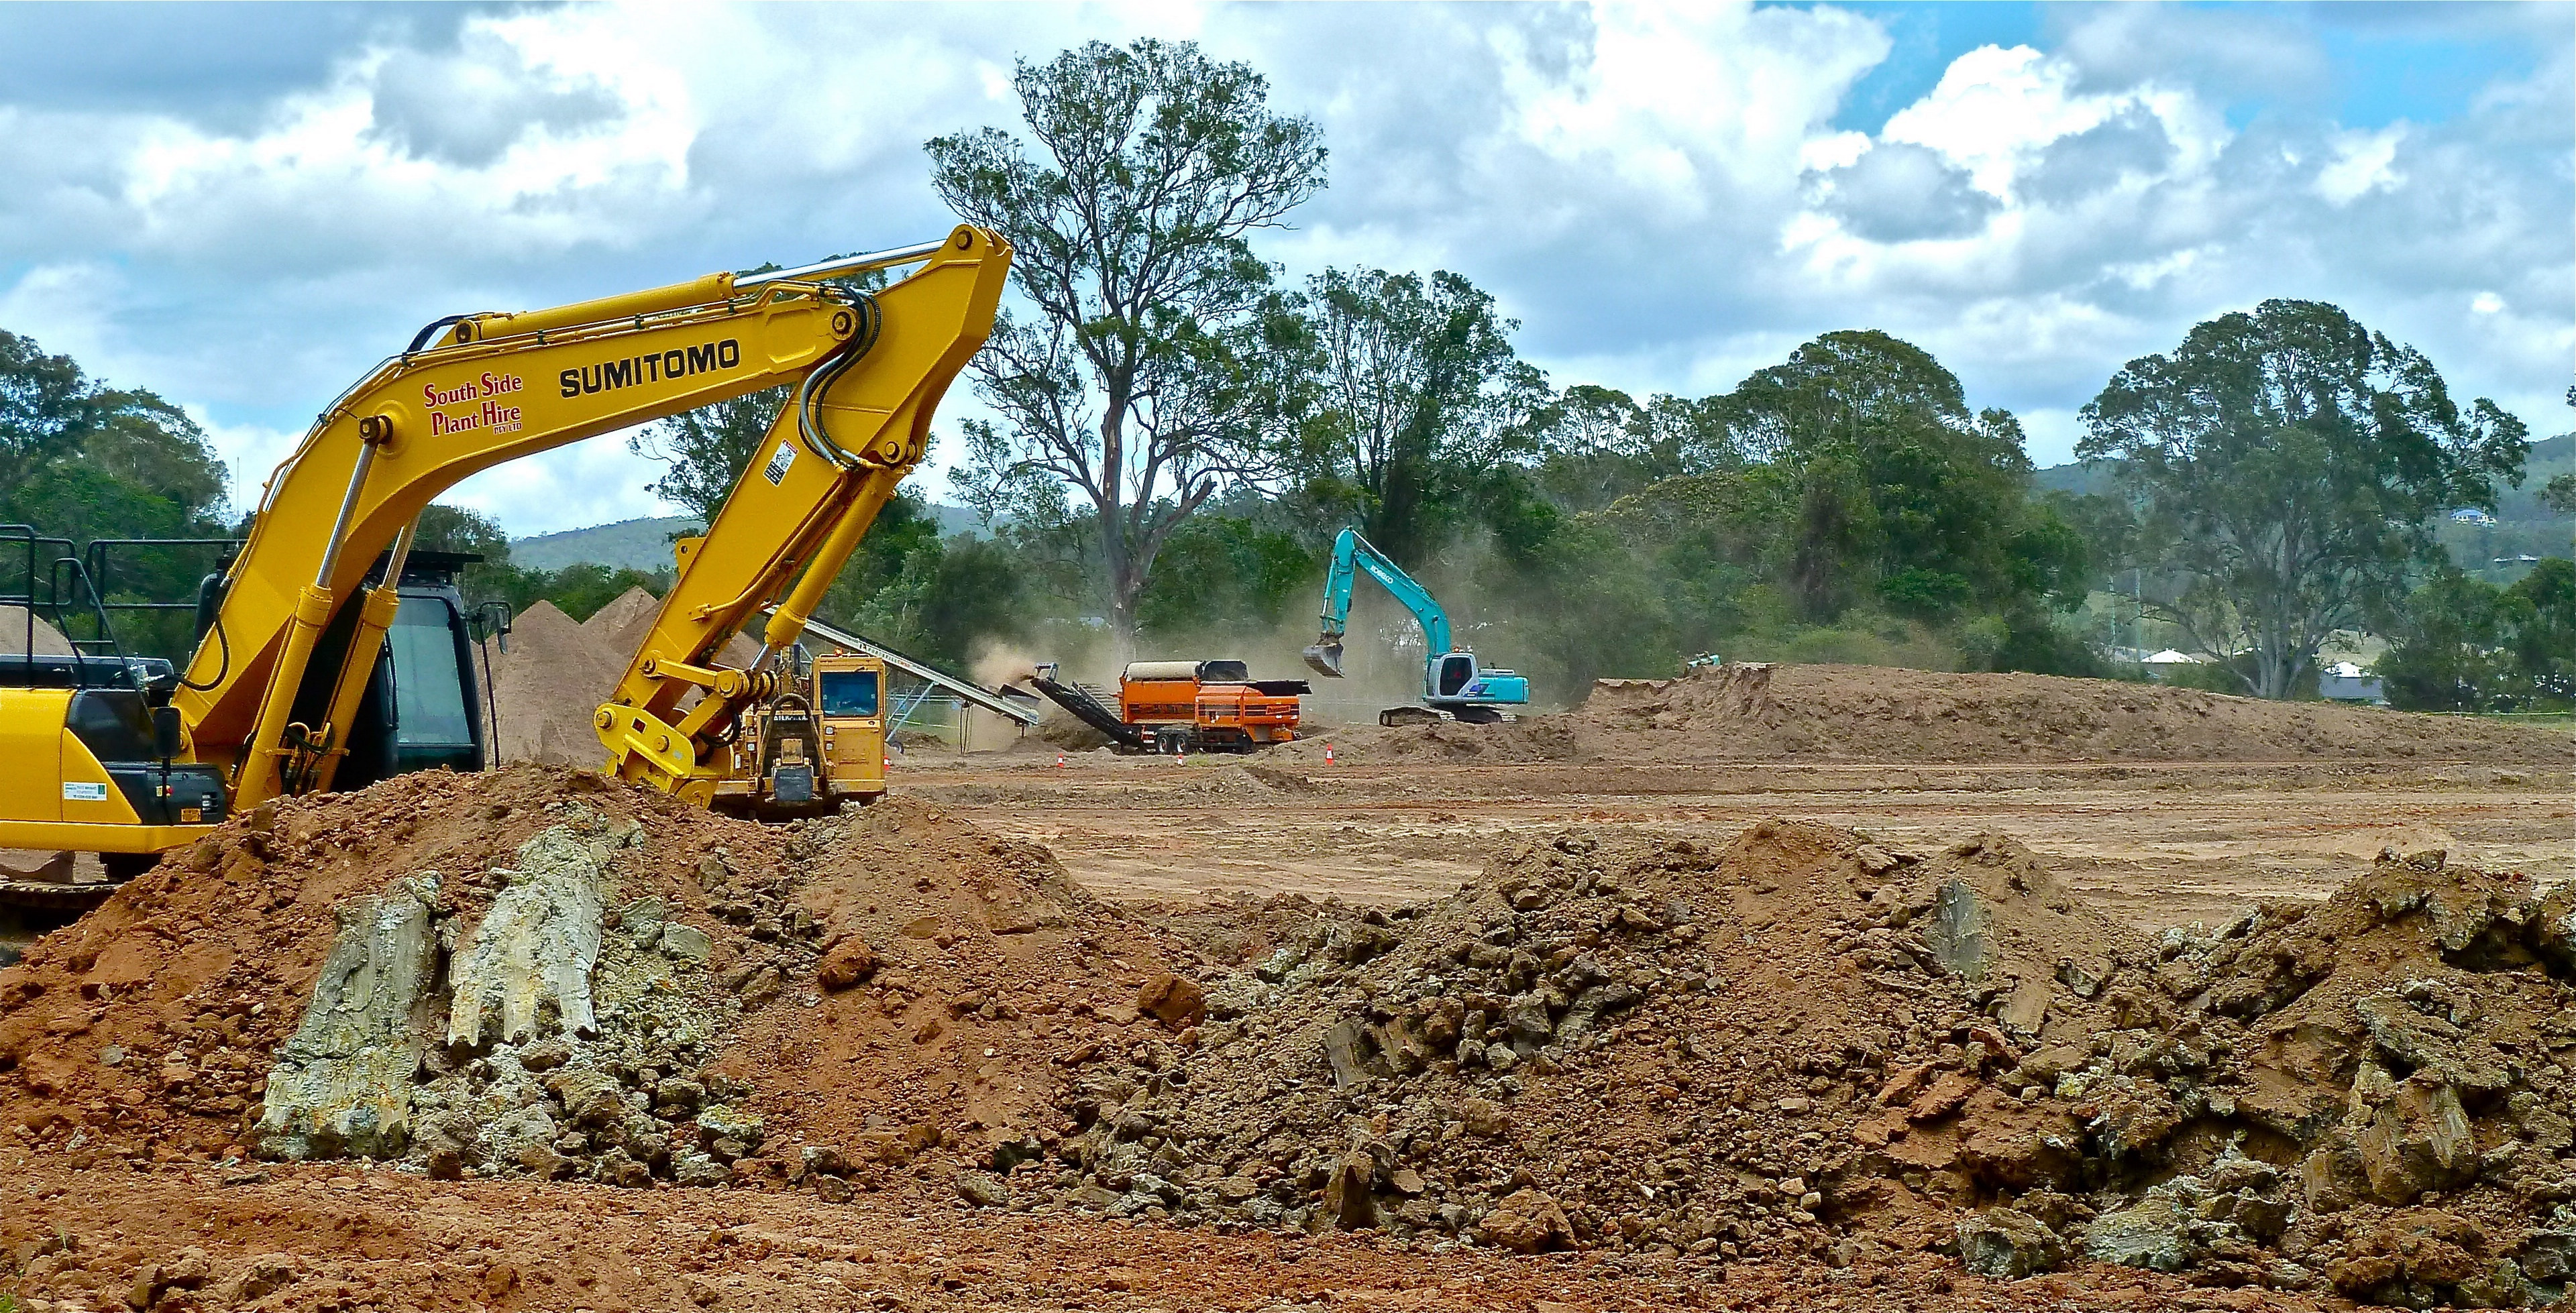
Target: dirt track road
{"points": [[2155, 845]]}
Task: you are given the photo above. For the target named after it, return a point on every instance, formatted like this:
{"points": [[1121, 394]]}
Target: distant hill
{"points": [[2081, 477], [2494, 552], [646, 544], [633, 544]]}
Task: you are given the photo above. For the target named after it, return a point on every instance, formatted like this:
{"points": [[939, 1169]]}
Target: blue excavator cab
{"points": [[1454, 685]]}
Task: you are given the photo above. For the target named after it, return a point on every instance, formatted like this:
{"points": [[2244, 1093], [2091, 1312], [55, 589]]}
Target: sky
{"points": [[244, 207]]}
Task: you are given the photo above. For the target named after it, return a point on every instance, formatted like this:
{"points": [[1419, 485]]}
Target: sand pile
{"points": [[1808, 1043], [14, 631], [541, 973], [1765, 712], [558, 670], [547, 686]]}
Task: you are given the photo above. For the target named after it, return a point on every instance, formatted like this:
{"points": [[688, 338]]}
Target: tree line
{"points": [[1176, 433]]}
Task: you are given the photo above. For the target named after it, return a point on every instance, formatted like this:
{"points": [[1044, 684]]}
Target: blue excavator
{"points": [[1454, 687]]}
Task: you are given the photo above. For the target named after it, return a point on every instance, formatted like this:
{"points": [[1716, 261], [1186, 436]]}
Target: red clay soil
{"points": [[147, 1027], [339, 1238], [991, 974], [1773, 712]]}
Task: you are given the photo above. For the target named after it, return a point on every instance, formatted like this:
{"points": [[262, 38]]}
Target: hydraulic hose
{"points": [[863, 335]]}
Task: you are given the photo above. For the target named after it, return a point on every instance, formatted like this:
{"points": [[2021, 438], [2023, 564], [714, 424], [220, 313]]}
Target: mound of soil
{"points": [[1768, 712], [871, 988], [547, 686], [558, 670], [1809, 1044], [16, 634]]}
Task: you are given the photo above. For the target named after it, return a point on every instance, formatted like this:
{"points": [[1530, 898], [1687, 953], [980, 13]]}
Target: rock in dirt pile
{"points": [[1804, 1042], [1762, 712], [1790, 1042], [540, 973]]}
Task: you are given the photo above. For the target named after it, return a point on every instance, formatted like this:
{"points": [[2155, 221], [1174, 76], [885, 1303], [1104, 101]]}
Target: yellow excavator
{"points": [[102, 757]]}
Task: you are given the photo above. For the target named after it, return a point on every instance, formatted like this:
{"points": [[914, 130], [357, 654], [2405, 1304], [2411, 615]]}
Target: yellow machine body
{"points": [[842, 698], [865, 371]]}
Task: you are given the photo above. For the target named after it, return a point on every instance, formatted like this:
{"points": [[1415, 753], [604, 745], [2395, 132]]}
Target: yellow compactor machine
{"points": [[125, 766]]}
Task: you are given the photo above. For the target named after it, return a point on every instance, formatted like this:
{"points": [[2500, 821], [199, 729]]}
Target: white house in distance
{"points": [[2162, 665], [2472, 515], [2347, 681]]}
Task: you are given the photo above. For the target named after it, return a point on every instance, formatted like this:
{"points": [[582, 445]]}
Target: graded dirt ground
{"points": [[1020, 914]]}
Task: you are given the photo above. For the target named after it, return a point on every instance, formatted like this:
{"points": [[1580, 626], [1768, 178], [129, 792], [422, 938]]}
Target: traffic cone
{"points": [[1059, 761], [1328, 754]]}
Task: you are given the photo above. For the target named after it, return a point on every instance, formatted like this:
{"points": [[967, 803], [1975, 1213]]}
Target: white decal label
{"points": [[77, 792], [779, 463]]}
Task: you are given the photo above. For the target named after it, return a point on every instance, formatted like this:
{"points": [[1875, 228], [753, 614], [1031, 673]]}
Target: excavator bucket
{"points": [[1325, 657]]}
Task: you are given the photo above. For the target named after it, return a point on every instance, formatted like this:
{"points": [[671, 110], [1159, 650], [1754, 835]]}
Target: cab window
{"points": [[429, 690], [849, 692]]}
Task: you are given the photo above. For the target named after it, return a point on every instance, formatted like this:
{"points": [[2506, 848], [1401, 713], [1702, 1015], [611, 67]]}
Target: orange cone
{"points": [[1328, 754], [1059, 760]]}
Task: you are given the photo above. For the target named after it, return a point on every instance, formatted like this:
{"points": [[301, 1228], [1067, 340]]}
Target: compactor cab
{"points": [[816, 745]]}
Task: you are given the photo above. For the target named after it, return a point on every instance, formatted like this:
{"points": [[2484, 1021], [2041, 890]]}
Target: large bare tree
{"points": [[1157, 366]]}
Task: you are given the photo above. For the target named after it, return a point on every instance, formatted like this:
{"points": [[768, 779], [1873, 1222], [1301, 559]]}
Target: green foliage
{"points": [[2559, 494], [2462, 644], [2287, 464], [1161, 368], [707, 449], [2544, 637], [2449, 650], [1419, 399], [1229, 579], [81, 460]]}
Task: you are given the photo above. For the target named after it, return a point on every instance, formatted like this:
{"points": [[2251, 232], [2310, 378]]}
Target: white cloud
{"points": [[2361, 165], [1661, 195]]}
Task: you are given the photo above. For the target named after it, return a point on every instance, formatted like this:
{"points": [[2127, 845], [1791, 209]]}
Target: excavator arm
{"points": [[1351, 555], [479, 390]]}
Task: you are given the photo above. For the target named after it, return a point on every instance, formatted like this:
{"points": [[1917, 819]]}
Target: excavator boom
{"points": [[1453, 685], [474, 391]]}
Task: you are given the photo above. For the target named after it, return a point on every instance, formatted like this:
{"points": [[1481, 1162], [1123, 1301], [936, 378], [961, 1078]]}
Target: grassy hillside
{"points": [[646, 544], [632, 544]]}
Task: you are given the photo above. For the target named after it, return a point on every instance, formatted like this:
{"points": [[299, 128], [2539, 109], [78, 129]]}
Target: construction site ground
{"points": [[2154, 844], [1176, 843]]}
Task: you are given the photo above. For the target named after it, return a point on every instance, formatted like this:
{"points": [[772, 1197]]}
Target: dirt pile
{"points": [[622, 624], [558, 670], [40, 638], [547, 686], [1766, 712], [1809, 1044], [541, 973]]}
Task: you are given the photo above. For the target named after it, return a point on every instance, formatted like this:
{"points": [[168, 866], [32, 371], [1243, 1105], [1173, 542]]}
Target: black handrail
{"points": [[100, 564], [53, 602]]}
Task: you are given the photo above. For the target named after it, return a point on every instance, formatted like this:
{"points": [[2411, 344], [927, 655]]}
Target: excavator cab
{"points": [[1457, 671]]}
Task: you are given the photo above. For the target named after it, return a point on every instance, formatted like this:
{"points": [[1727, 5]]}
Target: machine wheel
{"points": [[1480, 715], [1393, 716], [1173, 742]]}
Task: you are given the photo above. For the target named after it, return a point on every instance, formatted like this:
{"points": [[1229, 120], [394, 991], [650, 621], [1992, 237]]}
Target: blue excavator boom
{"points": [[1453, 684]]}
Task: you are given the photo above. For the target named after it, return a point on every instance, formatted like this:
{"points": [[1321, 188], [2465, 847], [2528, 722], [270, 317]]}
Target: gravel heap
{"points": [[1806, 1042]]}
